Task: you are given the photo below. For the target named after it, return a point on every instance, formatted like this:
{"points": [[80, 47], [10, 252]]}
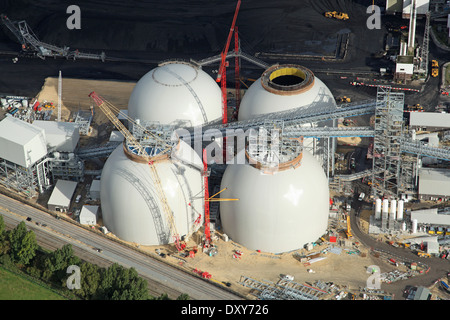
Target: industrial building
{"points": [[21, 143], [60, 136], [429, 121], [62, 195], [88, 215], [434, 184]]}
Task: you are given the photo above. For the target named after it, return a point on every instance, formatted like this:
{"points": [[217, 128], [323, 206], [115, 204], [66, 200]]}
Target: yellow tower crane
{"points": [[107, 108]]}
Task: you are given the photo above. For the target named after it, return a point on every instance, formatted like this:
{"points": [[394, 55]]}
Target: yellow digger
{"points": [[434, 68], [336, 15]]}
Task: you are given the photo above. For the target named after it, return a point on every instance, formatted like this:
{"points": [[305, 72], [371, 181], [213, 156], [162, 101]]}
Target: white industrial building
{"points": [[21, 143], [61, 136], [94, 190], [404, 7], [62, 195], [430, 217], [88, 215], [429, 121], [434, 184], [404, 68]]}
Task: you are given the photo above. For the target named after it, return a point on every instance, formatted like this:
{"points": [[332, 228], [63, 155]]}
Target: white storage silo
{"points": [[284, 88], [414, 226], [385, 206], [176, 90], [132, 205], [393, 209], [400, 210], [378, 209], [275, 212]]}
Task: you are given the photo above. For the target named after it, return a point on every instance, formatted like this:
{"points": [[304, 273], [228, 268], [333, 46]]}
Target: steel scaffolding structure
{"points": [[25, 180], [283, 290], [388, 133]]}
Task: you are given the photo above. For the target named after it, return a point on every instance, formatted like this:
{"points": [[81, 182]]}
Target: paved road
{"points": [[438, 267], [56, 233]]}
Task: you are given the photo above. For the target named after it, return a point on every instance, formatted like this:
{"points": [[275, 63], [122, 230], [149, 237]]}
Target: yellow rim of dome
{"points": [[287, 72], [275, 71]]}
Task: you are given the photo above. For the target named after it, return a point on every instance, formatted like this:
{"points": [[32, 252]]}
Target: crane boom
{"points": [[227, 45], [221, 75], [131, 140]]}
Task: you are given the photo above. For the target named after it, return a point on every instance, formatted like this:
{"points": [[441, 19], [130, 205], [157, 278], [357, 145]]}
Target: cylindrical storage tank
{"points": [[276, 212], [132, 207], [378, 209], [385, 206], [175, 91], [400, 210], [414, 226], [393, 211]]}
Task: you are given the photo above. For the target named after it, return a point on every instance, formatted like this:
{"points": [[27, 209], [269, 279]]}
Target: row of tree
{"points": [[18, 246]]}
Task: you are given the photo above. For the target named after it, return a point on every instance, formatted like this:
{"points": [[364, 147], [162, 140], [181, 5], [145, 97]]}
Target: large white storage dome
{"points": [[176, 91], [276, 212], [282, 88], [131, 205]]}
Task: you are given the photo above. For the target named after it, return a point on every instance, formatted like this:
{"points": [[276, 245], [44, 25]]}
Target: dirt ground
{"points": [[75, 95]]}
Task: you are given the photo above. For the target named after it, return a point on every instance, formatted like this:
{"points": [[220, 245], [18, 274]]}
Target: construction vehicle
{"points": [[336, 15], [423, 254], [434, 68], [343, 99], [348, 232], [108, 109]]}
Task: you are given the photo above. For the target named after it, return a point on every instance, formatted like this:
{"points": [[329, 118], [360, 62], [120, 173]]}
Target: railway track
{"points": [[162, 277]]}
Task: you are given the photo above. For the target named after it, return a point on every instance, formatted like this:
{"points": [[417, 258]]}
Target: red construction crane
{"points": [[237, 76], [221, 75], [205, 179]]}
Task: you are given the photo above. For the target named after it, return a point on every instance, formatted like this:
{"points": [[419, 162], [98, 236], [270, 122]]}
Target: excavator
{"points": [[336, 15]]}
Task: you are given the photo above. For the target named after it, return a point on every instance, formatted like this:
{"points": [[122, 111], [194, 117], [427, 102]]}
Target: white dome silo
{"points": [[176, 91], [132, 207], [275, 212], [283, 88]]}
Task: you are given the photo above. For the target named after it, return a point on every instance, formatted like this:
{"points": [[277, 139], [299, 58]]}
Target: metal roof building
{"points": [[94, 190], [88, 215], [429, 120], [434, 182], [21, 143], [62, 195], [430, 216], [60, 136]]}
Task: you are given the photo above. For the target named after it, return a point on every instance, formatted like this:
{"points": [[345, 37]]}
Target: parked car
{"points": [[361, 196]]}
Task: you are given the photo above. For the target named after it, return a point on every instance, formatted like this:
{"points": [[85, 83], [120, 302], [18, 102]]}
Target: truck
{"points": [[337, 15]]}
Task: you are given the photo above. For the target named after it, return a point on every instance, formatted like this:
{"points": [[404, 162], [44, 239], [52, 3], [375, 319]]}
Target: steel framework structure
{"points": [[282, 290], [388, 133]]}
